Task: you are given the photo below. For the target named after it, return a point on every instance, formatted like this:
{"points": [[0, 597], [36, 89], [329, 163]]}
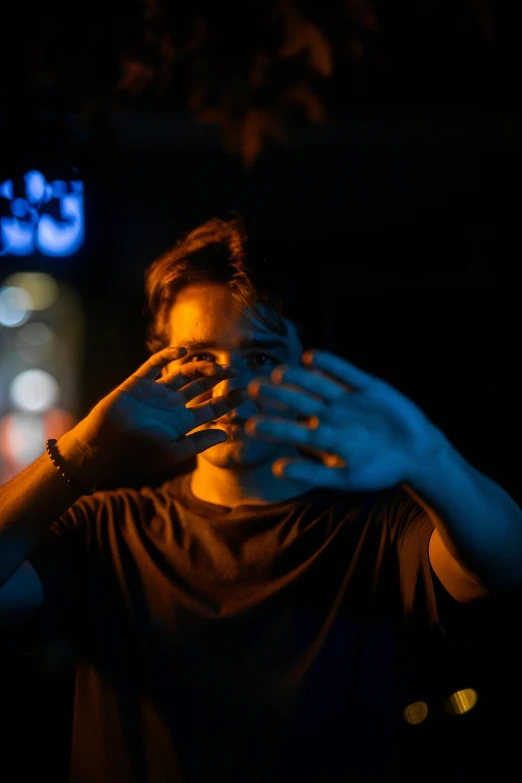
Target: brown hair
{"points": [[220, 251]]}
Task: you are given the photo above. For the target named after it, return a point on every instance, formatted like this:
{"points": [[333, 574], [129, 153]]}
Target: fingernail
{"points": [[277, 374], [308, 357], [313, 422], [253, 388], [278, 468]]}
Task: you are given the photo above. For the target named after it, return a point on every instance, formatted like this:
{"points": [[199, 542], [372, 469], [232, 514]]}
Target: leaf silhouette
{"points": [[242, 69], [302, 95], [260, 63], [252, 136], [137, 76], [319, 51], [304, 36]]}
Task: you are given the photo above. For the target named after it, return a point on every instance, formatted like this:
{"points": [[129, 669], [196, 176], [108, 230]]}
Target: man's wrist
{"points": [[83, 464], [431, 462]]}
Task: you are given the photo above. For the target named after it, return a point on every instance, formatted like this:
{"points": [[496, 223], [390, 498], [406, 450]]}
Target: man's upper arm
{"points": [[461, 584], [21, 596], [42, 601]]}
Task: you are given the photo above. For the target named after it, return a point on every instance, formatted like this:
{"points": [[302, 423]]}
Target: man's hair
{"points": [[219, 251]]}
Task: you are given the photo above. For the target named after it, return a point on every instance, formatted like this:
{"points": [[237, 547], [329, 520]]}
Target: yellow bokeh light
{"points": [[416, 712], [42, 288], [461, 702]]}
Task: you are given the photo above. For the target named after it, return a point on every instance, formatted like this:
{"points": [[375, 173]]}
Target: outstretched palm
{"points": [[143, 423]]}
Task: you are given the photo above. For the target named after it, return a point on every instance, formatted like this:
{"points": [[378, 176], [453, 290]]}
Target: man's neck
{"points": [[232, 488]]}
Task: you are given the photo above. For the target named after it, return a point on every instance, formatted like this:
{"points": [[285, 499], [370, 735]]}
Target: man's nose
{"points": [[241, 379]]}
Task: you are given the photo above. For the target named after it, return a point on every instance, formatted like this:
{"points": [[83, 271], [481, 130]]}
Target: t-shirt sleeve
{"points": [[427, 605], [59, 559]]}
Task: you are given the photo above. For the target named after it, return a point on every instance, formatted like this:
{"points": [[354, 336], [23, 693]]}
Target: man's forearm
{"points": [[478, 521], [33, 500]]}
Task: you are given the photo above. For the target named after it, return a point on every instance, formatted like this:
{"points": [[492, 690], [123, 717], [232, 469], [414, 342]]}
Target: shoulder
{"points": [[106, 506]]}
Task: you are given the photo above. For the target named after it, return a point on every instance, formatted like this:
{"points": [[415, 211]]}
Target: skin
{"points": [[238, 471], [367, 436]]}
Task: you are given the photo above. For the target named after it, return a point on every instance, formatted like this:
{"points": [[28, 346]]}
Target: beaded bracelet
{"points": [[49, 446]]}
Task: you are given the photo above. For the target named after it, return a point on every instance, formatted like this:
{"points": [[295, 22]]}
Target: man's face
{"points": [[206, 320]]}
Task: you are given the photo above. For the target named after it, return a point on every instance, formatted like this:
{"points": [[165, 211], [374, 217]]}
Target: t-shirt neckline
{"points": [[184, 491]]}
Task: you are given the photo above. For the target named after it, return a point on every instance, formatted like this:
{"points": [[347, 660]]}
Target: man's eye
{"points": [[198, 357], [259, 357]]}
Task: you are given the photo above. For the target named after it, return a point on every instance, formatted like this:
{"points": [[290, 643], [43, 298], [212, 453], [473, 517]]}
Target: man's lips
{"points": [[234, 429]]}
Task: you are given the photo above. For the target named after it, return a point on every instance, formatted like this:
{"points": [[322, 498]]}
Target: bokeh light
{"points": [[42, 288], [19, 207], [415, 713], [23, 436], [34, 342], [34, 390], [35, 186], [461, 702], [15, 305]]}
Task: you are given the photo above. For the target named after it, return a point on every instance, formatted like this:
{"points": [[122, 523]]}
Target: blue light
{"points": [[19, 207], [16, 237], [30, 228], [57, 238], [58, 188], [6, 189], [35, 187]]}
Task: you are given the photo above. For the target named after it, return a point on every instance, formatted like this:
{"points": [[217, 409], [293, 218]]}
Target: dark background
{"points": [[406, 198]]}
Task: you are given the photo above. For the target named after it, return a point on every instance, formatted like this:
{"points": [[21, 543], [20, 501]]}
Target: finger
{"points": [[326, 388], [323, 437], [310, 473], [290, 397], [208, 411], [154, 364], [339, 368], [208, 373], [321, 457], [199, 387], [194, 444]]}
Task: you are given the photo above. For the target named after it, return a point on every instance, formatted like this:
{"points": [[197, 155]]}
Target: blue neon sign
{"points": [[30, 228]]}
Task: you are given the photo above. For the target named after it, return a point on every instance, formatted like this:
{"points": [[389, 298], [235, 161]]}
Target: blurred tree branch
{"points": [[253, 69]]}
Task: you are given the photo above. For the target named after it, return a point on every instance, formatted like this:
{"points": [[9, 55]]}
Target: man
{"points": [[253, 619]]}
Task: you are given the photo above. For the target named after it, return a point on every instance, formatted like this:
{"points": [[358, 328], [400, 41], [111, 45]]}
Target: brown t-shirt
{"points": [[249, 645]]}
